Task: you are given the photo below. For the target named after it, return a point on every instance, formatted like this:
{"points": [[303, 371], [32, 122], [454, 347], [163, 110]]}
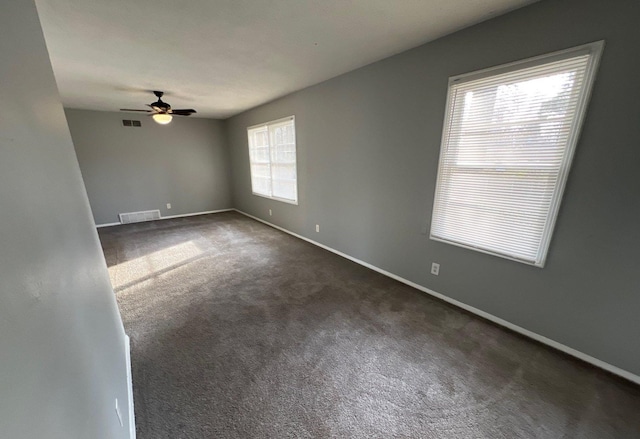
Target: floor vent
{"points": [[138, 217]]}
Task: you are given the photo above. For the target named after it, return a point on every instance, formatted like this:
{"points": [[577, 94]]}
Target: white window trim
{"points": [[266, 124], [272, 122], [595, 49], [284, 200]]}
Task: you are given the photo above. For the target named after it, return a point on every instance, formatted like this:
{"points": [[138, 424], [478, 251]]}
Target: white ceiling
{"points": [[222, 57]]}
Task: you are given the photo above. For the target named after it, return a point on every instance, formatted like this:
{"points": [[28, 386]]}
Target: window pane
{"points": [[272, 155], [505, 152], [284, 189]]}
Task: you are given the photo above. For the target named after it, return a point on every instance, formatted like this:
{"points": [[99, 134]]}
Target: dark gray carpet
{"points": [[241, 331]]}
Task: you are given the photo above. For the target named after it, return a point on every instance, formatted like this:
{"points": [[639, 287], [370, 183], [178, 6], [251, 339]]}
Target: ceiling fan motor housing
{"points": [[162, 105]]}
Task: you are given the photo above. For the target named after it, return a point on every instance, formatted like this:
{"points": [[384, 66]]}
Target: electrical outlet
{"points": [[435, 268], [270, 212], [118, 414], [318, 228], [168, 205]]}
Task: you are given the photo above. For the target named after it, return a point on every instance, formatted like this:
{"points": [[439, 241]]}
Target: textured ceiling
{"points": [[225, 56]]}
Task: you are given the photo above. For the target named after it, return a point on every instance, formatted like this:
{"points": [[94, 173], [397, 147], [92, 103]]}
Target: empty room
{"points": [[319, 219]]}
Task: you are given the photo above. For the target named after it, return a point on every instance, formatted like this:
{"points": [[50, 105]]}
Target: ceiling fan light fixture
{"points": [[162, 119]]}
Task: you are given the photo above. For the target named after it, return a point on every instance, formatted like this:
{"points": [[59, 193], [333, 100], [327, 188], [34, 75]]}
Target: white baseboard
{"points": [[107, 225], [132, 415], [171, 216], [196, 213], [497, 320]]}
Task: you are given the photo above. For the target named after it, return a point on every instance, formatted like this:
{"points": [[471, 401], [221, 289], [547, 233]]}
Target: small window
{"points": [[272, 157], [508, 139]]}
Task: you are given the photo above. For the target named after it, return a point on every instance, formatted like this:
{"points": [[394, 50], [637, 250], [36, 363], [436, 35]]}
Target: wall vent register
{"points": [[138, 217], [131, 123]]}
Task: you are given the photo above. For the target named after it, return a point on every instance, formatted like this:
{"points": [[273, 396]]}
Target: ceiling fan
{"points": [[161, 111]]}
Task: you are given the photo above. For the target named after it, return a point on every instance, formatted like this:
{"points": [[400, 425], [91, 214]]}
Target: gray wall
{"points": [[368, 145], [128, 169], [61, 338]]}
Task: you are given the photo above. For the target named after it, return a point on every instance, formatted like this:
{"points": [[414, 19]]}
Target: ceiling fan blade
{"points": [[161, 107], [183, 112]]}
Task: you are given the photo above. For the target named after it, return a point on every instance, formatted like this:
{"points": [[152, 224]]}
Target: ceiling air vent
{"points": [[131, 123], [138, 217]]}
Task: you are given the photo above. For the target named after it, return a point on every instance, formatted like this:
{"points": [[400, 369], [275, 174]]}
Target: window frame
{"points": [[295, 165], [593, 49]]}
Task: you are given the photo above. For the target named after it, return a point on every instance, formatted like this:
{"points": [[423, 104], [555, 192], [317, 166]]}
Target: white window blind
{"points": [[508, 140], [272, 156]]}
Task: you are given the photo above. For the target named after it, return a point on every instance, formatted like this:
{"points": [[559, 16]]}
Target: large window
{"points": [[272, 156], [508, 139]]}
